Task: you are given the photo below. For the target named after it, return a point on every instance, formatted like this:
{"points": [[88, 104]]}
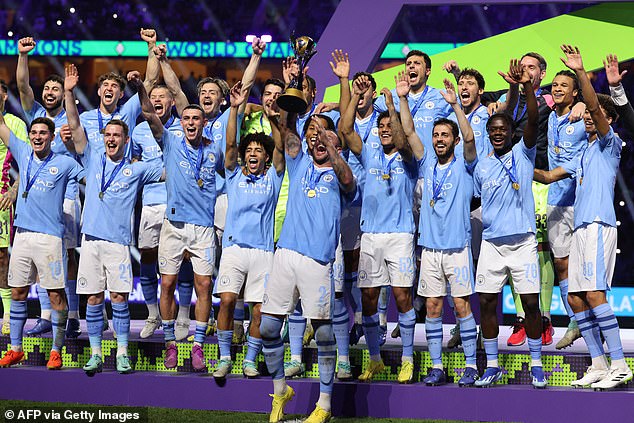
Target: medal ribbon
{"points": [[30, 181], [367, 128], [556, 127], [104, 184], [438, 188], [511, 172], [199, 160]]}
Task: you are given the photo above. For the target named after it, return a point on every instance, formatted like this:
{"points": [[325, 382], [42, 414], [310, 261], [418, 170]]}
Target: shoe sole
{"points": [[516, 345], [124, 372], [466, 385], [54, 367], [91, 373]]}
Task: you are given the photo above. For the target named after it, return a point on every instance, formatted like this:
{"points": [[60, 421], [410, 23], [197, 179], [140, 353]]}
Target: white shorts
{"points": [[295, 275], [514, 256], [178, 237], [386, 259], [338, 268], [476, 232], [37, 254], [592, 258], [351, 228], [238, 263], [72, 223], [104, 265], [150, 225], [220, 211], [561, 224], [439, 267]]}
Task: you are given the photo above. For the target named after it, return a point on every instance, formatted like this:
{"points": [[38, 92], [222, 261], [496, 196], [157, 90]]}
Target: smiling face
{"points": [[162, 100], [270, 94], [52, 95], [469, 91], [40, 136], [385, 135], [500, 134], [115, 139], [444, 142], [563, 91], [317, 149], [417, 71], [255, 158], [210, 98], [193, 123], [110, 93]]}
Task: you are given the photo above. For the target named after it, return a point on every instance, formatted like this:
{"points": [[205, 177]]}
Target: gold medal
{"points": [[556, 150], [25, 194], [516, 186], [200, 183], [431, 203], [311, 193], [581, 180], [101, 195], [386, 176]]}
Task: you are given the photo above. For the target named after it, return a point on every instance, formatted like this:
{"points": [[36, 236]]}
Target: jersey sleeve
{"points": [[470, 167], [571, 166], [35, 111], [611, 141], [293, 163], [379, 104], [132, 108], [364, 157], [76, 171], [477, 183], [528, 153], [19, 148], [152, 171]]}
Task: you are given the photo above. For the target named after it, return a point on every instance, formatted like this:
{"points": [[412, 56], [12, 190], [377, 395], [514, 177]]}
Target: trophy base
{"points": [[292, 101]]}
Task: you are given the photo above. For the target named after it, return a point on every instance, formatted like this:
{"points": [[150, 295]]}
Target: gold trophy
{"points": [[293, 98]]}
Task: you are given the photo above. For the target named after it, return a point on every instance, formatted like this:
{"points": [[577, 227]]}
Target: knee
{"points": [[117, 297], [403, 298], [228, 301], [270, 327], [596, 298], [530, 303], [95, 299], [19, 294], [323, 331], [433, 306], [488, 302], [462, 307], [561, 265], [58, 300]]}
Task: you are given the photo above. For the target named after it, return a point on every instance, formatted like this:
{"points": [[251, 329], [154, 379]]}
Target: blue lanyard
{"points": [[199, 161], [515, 118], [30, 181], [387, 168], [104, 184], [556, 127], [262, 125], [303, 126], [438, 188], [169, 122], [367, 128], [420, 101], [314, 176], [100, 118], [511, 172]]}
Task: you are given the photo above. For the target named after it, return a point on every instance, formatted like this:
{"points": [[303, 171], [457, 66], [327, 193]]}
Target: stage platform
{"points": [[513, 399]]}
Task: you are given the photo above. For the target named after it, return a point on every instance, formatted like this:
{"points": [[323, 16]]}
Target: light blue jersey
{"points": [[445, 207], [57, 145], [565, 142], [505, 210], [145, 146], [94, 121], [251, 208], [368, 130], [595, 172], [41, 210], [426, 107], [388, 196], [302, 119], [187, 201], [478, 120], [111, 191], [313, 211], [216, 130]]}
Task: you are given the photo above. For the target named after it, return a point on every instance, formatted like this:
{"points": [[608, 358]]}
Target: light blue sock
{"points": [[609, 327], [59, 319], [491, 350], [563, 287], [224, 342], [238, 312], [384, 301], [340, 323], [272, 345], [254, 346], [407, 324], [200, 333], [168, 330], [352, 291], [326, 356], [121, 322], [296, 328], [590, 332], [468, 335], [185, 284], [42, 295], [17, 320], [371, 331], [71, 295], [535, 349], [94, 321], [149, 283], [433, 332]]}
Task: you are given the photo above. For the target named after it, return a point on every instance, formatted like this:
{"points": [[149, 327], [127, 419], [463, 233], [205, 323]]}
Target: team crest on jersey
{"points": [[265, 299], [363, 275], [429, 105], [217, 125], [476, 120], [162, 261], [212, 157], [570, 129], [328, 178], [179, 133], [224, 280], [127, 172], [480, 280], [375, 131], [82, 282], [53, 170]]}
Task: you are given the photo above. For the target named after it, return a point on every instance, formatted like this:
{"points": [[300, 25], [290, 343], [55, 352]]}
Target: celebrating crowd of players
{"points": [[363, 194]]}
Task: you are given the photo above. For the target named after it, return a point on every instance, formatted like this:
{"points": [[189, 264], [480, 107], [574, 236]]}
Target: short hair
{"points": [[194, 107], [221, 83], [112, 76], [4, 86], [55, 78], [539, 57], [450, 123], [368, 75], [607, 103], [504, 116], [312, 85], [382, 115], [475, 74], [570, 75], [424, 55], [46, 121], [118, 122], [330, 125], [259, 138], [274, 81], [162, 87]]}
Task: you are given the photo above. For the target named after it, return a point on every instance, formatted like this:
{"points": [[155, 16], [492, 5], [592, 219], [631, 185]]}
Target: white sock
{"points": [[122, 350], [600, 362], [73, 315], [375, 357], [382, 319], [46, 314], [358, 318], [296, 358], [343, 359], [536, 363], [324, 401], [96, 351], [410, 359], [619, 364], [279, 386], [153, 311], [183, 313]]}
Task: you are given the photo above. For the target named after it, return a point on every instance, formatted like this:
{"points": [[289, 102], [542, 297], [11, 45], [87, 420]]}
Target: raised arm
{"points": [[346, 126], [279, 160], [27, 98], [468, 138], [5, 132], [149, 114], [339, 165], [153, 67], [290, 137], [171, 79], [237, 98], [340, 66], [617, 93], [398, 136], [512, 95], [550, 176], [414, 141], [79, 140], [452, 67], [248, 78]]}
